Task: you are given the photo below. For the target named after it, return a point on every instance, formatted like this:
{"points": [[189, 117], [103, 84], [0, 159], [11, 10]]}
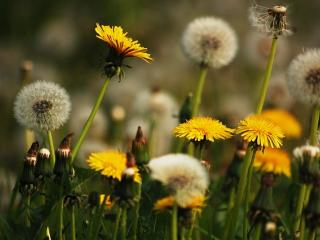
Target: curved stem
{"points": [[51, 147], [267, 75], [73, 224], [174, 222], [124, 224], [198, 93], [89, 122], [248, 160], [116, 227]]}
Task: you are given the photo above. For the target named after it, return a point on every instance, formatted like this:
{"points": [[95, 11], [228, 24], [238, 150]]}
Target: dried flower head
{"points": [[210, 41], [270, 20], [274, 161], [260, 131], [288, 123], [42, 106], [203, 129], [304, 77], [184, 176], [111, 164]]}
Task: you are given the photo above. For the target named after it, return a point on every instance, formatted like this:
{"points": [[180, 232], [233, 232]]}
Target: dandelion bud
{"points": [[186, 109], [140, 148], [63, 155], [131, 162], [43, 166], [308, 158], [27, 180]]}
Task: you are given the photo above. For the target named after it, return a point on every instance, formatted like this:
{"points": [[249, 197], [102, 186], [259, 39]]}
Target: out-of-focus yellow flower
{"points": [[260, 131], [274, 161], [118, 40], [108, 202], [111, 164], [288, 123], [203, 128], [196, 203]]}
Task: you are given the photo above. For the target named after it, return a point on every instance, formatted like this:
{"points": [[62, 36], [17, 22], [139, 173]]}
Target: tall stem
{"points": [[136, 214], [124, 224], [314, 125], [51, 147], [89, 122], [174, 222], [27, 211], [313, 234], [267, 75], [116, 227], [60, 226], [198, 93], [248, 160], [73, 224], [299, 208], [230, 206], [257, 232]]}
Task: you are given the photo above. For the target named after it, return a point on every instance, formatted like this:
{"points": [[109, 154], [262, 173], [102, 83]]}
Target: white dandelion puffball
{"points": [[184, 176], [42, 106], [210, 41], [304, 77]]}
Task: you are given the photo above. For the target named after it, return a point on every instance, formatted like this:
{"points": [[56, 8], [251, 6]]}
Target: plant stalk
{"points": [[116, 227], [124, 224], [51, 147], [174, 222], [199, 90]]}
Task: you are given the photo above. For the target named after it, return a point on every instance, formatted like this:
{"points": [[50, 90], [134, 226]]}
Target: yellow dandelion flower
{"points": [[288, 123], [108, 202], [164, 203], [260, 131], [273, 161], [203, 128], [111, 164], [118, 40]]}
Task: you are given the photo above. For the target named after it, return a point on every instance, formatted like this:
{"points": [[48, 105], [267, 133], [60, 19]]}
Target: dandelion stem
{"points": [[246, 204], [51, 147], [198, 93], [60, 226], [174, 222], [27, 211], [73, 224], [314, 125], [193, 220], [299, 208], [248, 160], [89, 122], [257, 232], [136, 214], [313, 234], [230, 206], [124, 224], [267, 75], [116, 227]]}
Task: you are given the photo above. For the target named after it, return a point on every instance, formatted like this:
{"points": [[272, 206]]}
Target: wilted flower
{"points": [[288, 123], [260, 131], [270, 20], [203, 129], [184, 176], [304, 77], [274, 161], [42, 106], [210, 41]]}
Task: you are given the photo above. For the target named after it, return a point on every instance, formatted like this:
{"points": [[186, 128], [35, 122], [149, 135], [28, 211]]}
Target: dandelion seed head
{"points": [[42, 106], [210, 41], [309, 150], [184, 176], [304, 77]]}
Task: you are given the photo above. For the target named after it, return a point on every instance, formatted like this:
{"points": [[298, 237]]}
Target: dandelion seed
{"points": [[210, 41], [304, 77], [184, 176], [270, 20], [274, 161], [42, 106]]}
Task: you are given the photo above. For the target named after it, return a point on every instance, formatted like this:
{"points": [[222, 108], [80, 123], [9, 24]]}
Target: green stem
{"points": [[299, 208], [198, 93], [248, 160], [174, 222], [116, 227], [27, 211], [89, 122], [51, 147], [124, 224], [73, 224], [246, 204], [136, 214], [267, 75], [182, 233], [313, 234], [193, 220], [230, 206], [314, 125], [257, 232], [60, 226]]}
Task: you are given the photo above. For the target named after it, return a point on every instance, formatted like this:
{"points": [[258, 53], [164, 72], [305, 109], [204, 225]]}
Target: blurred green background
{"points": [[59, 38]]}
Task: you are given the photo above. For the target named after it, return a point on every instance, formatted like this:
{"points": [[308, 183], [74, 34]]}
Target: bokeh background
{"points": [[58, 38]]}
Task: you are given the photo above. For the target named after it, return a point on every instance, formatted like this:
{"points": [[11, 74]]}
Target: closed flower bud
{"points": [[43, 166], [63, 156], [140, 148]]}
